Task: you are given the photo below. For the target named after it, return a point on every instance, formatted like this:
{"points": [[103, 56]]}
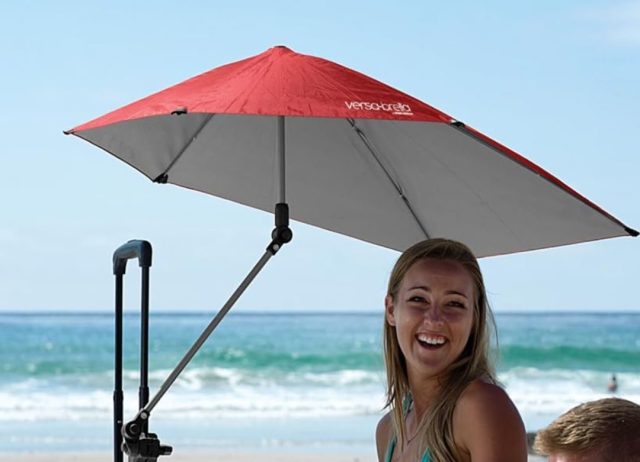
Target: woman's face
{"points": [[433, 314]]}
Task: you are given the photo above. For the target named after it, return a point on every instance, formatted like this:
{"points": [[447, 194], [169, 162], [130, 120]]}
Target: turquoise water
{"points": [[279, 376], [600, 342]]}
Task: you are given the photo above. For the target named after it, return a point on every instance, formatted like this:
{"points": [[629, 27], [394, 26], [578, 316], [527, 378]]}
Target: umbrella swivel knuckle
{"points": [[281, 234]]}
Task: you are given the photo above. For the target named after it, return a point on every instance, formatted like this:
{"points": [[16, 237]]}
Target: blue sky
{"points": [[555, 81]]}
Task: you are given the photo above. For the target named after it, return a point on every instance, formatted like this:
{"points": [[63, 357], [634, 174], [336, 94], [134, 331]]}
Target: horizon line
{"points": [[292, 311]]}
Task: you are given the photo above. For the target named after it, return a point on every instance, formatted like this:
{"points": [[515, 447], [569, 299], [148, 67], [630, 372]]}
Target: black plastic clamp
{"points": [[281, 234]]}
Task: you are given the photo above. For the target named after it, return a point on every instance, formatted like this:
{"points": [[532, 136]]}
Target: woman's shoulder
{"points": [[384, 433], [385, 426], [485, 421], [486, 401], [479, 391]]}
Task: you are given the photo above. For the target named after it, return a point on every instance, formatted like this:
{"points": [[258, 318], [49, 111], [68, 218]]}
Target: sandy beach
{"points": [[307, 454], [197, 456], [210, 456]]}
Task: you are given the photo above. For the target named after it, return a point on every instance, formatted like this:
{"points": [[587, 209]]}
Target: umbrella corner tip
{"points": [[68, 132], [632, 232]]}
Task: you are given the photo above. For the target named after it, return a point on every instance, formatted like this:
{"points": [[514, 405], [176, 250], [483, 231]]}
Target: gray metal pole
{"points": [[207, 332], [280, 148]]}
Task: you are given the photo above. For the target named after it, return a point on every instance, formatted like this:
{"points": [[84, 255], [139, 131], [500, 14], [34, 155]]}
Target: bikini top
{"points": [[392, 444]]}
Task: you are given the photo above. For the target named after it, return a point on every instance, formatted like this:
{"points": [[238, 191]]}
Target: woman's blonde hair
{"points": [[473, 362]]}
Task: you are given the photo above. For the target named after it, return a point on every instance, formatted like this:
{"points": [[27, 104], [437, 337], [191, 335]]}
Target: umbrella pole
{"points": [[143, 446], [280, 147]]}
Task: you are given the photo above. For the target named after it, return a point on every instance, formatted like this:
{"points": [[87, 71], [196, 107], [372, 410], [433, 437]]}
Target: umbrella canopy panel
{"points": [[278, 82], [354, 184]]}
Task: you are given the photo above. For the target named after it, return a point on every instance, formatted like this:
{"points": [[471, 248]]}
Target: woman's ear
{"points": [[389, 310]]}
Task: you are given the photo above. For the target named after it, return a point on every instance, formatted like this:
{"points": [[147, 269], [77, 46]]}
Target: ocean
{"points": [[274, 381]]}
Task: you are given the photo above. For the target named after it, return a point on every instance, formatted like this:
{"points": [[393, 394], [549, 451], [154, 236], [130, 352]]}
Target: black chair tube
{"points": [[132, 249], [143, 252], [118, 396], [143, 393]]}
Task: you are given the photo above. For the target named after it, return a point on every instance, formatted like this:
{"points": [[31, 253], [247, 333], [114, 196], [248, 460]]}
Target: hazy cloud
{"points": [[620, 21]]}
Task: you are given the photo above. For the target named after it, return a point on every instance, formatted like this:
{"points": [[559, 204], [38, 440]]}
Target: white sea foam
{"points": [[199, 378], [214, 393], [240, 402], [542, 395], [203, 393]]}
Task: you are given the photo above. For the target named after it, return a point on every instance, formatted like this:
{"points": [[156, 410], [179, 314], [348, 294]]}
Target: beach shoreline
{"points": [[211, 456], [308, 454], [228, 455]]}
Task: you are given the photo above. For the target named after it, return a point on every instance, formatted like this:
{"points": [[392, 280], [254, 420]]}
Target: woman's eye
{"points": [[456, 304], [417, 298]]}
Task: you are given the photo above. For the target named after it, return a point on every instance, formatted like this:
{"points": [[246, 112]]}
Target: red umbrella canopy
{"points": [[362, 158], [280, 82]]}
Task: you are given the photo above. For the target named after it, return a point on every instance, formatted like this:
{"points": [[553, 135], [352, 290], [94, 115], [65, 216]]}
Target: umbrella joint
{"points": [[141, 446], [281, 234]]}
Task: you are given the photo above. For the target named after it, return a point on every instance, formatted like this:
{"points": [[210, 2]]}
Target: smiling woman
{"points": [[444, 401]]}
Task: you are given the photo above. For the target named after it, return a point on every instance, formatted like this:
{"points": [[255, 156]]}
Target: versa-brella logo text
{"points": [[394, 108]]}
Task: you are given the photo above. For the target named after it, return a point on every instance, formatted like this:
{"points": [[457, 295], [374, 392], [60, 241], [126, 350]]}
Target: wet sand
{"points": [[209, 456], [213, 456]]}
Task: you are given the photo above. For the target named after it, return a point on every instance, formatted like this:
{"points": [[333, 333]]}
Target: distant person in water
{"points": [[613, 384], [443, 399], [598, 431]]}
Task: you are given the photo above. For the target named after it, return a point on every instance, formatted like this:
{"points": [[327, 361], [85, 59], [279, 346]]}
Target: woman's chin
{"points": [[430, 363]]}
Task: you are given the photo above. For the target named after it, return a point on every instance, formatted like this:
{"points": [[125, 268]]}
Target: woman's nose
{"points": [[434, 315]]}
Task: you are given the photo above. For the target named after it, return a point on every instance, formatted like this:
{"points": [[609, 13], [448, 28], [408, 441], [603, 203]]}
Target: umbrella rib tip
{"points": [[632, 232], [162, 178]]}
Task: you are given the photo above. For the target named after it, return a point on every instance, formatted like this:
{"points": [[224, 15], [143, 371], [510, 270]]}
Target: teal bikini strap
{"points": [[392, 444], [390, 449]]}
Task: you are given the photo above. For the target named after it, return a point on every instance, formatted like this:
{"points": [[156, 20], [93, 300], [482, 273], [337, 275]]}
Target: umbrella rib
{"points": [[437, 158], [395, 184], [164, 176]]}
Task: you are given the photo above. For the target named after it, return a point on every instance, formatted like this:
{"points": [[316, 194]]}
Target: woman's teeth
{"points": [[434, 340]]}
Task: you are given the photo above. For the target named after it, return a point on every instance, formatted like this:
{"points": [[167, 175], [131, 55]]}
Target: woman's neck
{"points": [[423, 393]]}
